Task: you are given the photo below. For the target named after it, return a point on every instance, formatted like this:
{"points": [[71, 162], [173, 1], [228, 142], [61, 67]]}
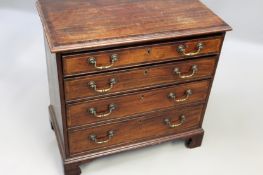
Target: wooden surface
{"points": [[79, 63], [146, 35], [145, 77], [145, 127], [57, 100], [146, 101], [89, 24]]}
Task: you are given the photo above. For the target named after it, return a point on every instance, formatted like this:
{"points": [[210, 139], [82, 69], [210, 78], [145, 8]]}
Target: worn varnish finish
{"points": [[165, 57], [82, 24]]}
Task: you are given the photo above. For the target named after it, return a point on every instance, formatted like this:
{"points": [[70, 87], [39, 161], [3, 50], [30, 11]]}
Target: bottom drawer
{"points": [[155, 125]]}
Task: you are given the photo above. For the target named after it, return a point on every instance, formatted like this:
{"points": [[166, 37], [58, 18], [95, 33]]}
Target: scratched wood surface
{"points": [[89, 24]]}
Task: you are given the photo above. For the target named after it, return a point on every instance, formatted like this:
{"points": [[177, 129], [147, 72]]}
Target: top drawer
{"points": [[92, 62]]}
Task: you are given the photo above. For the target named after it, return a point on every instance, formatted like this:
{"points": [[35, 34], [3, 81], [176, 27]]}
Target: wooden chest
{"points": [[128, 74]]}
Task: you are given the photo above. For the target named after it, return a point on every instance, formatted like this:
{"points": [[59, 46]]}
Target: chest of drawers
{"points": [[128, 74]]}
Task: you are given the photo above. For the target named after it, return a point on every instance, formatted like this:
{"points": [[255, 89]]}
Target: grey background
{"points": [[233, 122]]}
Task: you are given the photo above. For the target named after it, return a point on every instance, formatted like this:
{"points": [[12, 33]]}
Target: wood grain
{"points": [[135, 103], [57, 99], [145, 34], [79, 63], [88, 24], [138, 78], [146, 127]]}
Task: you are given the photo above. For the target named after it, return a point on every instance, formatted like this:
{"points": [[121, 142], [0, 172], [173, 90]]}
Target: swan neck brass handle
{"points": [[110, 134], [179, 73], [182, 49], [188, 93], [111, 108], [171, 125], [113, 59], [92, 85]]}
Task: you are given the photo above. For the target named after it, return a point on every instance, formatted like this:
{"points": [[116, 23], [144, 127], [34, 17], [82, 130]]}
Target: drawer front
{"points": [[108, 60], [95, 111], [116, 82], [146, 127]]}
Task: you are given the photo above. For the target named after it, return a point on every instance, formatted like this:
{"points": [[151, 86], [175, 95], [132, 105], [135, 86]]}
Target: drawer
{"points": [[91, 62], [146, 127], [121, 106], [133, 79]]}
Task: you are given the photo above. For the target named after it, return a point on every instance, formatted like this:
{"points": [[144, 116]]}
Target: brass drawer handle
{"points": [[111, 107], [114, 58], [169, 123], [187, 93], [93, 85], [181, 49], [178, 72], [110, 134]]}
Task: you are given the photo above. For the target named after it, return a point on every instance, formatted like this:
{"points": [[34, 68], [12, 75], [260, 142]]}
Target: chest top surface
{"points": [[91, 24]]}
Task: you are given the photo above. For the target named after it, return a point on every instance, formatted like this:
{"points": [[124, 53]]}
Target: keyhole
{"points": [[145, 72], [142, 97], [149, 51]]}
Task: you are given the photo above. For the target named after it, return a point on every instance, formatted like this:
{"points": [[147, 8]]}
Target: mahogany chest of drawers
{"points": [[128, 74]]}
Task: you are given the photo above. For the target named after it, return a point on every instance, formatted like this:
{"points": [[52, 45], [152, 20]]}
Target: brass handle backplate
{"points": [[114, 58], [168, 122], [110, 134], [111, 107], [188, 92], [93, 85], [182, 49], [178, 72]]}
